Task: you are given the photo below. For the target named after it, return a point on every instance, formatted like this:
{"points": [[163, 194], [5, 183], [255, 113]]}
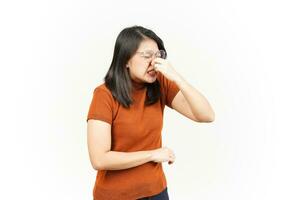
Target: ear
{"points": [[128, 64]]}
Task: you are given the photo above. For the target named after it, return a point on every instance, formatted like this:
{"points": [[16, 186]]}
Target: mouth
{"points": [[151, 69], [151, 72]]}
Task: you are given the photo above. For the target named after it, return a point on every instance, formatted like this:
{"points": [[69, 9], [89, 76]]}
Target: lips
{"points": [[151, 72], [151, 69]]}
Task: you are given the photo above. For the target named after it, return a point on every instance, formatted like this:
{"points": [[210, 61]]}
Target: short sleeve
{"points": [[101, 107], [169, 88]]}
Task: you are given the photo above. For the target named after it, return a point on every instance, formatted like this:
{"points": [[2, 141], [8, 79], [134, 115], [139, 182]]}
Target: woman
{"points": [[125, 118]]}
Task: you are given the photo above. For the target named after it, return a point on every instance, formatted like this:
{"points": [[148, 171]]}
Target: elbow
{"points": [[211, 117], [98, 164], [207, 119]]}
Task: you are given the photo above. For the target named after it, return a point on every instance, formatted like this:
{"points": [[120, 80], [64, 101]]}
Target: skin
{"points": [[138, 66], [188, 102]]}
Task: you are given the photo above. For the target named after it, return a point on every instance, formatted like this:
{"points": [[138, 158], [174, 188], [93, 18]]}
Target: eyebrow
{"points": [[151, 50]]}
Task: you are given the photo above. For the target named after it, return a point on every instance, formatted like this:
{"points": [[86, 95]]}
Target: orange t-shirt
{"points": [[137, 128]]}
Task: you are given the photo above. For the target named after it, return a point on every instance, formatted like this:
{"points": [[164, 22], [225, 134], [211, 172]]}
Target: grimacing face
{"points": [[140, 68]]}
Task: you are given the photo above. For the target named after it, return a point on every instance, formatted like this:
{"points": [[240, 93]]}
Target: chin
{"points": [[151, 79]]}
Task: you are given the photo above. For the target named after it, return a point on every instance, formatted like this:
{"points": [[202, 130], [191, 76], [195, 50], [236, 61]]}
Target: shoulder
{"points": [[103, 92], [102, 88]]}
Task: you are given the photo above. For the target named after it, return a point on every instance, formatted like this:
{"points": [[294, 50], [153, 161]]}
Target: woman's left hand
{"points": [[165, 67]]}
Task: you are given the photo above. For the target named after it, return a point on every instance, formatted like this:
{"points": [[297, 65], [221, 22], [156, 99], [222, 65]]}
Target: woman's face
{"points": [[140, 68]]}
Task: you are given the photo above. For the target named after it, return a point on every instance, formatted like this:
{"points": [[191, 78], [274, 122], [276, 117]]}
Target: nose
{"points": [[151, 62]]}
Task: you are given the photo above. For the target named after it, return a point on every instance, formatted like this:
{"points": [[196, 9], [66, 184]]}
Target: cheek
{"points": [[140, 66]]}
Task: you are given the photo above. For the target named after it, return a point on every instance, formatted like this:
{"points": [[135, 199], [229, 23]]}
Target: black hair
{"points": [[117, 78]]}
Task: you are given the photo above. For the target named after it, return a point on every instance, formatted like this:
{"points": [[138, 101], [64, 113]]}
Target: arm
{"points": [[191, 103], [188, 101], [102, 158], [113, 160]]}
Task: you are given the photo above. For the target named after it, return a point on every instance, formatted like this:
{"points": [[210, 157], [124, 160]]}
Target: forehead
{"points": [[148, 44]]}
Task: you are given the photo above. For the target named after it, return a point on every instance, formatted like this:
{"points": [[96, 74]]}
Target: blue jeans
{"points": [[161, 196]]}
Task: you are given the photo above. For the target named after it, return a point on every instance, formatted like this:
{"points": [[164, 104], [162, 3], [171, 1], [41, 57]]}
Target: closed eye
{"points": [[148, 54]]}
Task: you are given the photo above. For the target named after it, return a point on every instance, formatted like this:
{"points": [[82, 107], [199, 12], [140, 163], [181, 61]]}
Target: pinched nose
{"points": [[151, 66]]}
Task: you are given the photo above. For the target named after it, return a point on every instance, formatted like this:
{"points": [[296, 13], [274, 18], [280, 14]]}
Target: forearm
{"points": [[199, 105], [114, 160]]}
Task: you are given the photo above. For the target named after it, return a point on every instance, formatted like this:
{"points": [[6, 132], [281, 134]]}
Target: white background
{"points": [[242, 55]]}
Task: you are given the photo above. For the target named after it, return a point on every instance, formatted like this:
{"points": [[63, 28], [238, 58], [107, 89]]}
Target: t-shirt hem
{"points": [[98, 118], [172, 98]]}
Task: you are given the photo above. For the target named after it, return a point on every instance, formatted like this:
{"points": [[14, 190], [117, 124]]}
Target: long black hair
{"points": [[117, 78]]}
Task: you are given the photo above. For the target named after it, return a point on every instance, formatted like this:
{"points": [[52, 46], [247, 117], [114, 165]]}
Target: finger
{"points": [[153, 61], [157, 60], [172, 157], [171, 161], [156, 66], [172, 153]]}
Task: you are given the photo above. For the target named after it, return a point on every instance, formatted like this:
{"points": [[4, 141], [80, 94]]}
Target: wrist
{"points": [[150, 155], [178, 80]]}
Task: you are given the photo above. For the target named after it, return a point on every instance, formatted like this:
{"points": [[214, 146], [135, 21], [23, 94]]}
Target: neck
{"points": [[137, 85]]}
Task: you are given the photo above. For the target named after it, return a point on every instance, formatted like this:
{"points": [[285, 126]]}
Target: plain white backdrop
{"points": [[242, 55]]}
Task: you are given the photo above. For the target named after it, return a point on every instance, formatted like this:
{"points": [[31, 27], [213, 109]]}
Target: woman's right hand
{"points": [[162, 155]]}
